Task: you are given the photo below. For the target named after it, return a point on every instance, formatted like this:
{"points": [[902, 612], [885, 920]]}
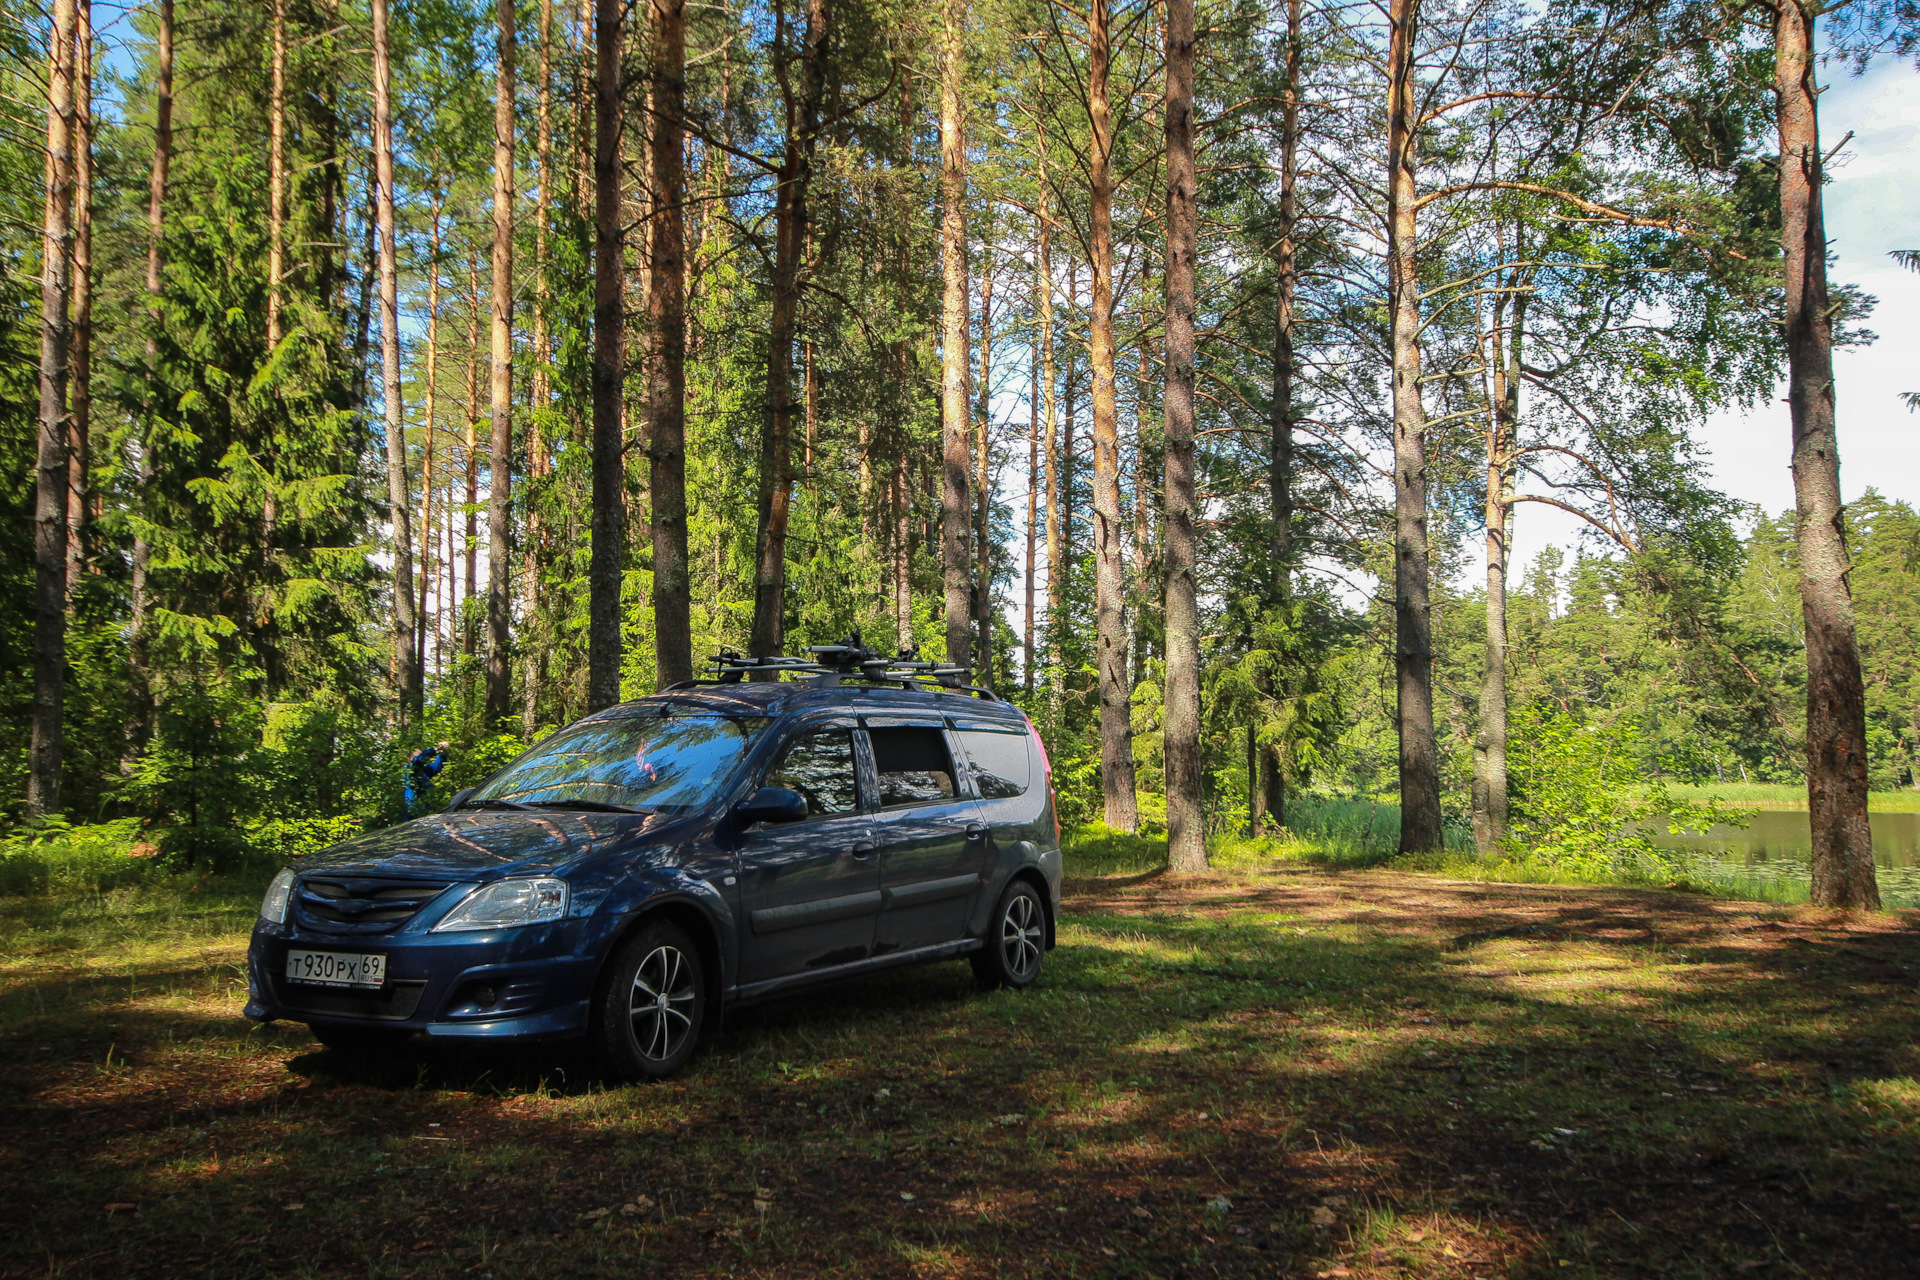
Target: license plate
{"points": [[336, 968]]}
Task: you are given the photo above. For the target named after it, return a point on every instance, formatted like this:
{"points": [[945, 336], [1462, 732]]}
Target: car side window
{"points": [[819, 765], [913, 765], [999, 760]]}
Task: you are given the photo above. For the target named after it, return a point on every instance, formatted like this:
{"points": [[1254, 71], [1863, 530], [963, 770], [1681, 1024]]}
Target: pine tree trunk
{"points": [[953, 332], [983, 491], [1029, 659], [156, 227], [407, 675], [1413, 623], [672, 583], [1050, 445], [1280, 460], [470, 507], [80, 386], [790, 239], [1110, 617], [276, 173], [429, 571], [1143, 499], [500, 452], [608, 557], [541, 395], [1843, 871], [1490, 744], [50, 476], [1186, 823]]}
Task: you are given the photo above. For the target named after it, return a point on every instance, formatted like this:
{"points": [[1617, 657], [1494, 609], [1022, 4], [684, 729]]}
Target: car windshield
{"points": [[658, 764]]}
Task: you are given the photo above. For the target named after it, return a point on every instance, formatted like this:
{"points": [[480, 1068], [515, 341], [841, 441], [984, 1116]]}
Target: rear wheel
{"points": [[653, 1004], [1016, 941]]}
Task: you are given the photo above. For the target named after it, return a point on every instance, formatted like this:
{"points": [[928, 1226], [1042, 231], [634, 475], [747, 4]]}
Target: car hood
{"points": [[479, 844]]}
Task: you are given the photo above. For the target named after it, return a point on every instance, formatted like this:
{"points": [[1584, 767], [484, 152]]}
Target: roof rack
{"points": [[850, 659]]}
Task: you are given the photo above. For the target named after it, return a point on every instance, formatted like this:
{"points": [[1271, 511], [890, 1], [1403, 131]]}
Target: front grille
{"points": [[360, 905], [394, 1001]]}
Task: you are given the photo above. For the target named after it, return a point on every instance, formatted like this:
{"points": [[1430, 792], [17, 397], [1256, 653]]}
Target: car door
{"points": [[931, 836], [810, 890]]}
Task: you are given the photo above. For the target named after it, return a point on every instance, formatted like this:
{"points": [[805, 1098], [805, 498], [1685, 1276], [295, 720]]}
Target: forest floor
{"points": [[1289, 1071]]}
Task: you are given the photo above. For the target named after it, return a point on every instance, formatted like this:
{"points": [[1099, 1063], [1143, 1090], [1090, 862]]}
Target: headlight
{"points": [[507, 904], [273, 907]]}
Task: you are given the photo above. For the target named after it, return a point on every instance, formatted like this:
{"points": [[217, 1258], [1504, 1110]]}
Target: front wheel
{"points": [[653, 1004], [1016, 940]]}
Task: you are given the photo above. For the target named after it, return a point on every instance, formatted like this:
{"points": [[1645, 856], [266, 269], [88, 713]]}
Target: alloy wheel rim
{"points": [[1021, 935], [660, 1004]]}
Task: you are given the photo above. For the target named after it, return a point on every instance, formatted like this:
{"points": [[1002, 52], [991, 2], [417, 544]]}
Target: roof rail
{"points": [[850, 659]]}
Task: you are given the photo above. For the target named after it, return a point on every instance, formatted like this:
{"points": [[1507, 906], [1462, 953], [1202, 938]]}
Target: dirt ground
{"points": [[1298, 1072]]}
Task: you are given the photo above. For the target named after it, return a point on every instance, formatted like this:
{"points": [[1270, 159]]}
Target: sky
{"points": [[1871, 208]]}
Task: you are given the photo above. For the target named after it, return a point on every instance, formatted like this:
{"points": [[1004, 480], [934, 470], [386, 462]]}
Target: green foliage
{"points": [[52, 857], [1581, 802]]}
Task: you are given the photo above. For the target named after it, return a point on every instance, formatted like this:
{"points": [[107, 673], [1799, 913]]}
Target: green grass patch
{"points": [[1783, 795]]}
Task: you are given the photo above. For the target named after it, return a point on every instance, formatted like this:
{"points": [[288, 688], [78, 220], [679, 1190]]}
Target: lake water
{"points": [[1776, 845]]}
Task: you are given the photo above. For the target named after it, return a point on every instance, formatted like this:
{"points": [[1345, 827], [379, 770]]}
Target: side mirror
{"points": [[772, 804], [460, 798]]}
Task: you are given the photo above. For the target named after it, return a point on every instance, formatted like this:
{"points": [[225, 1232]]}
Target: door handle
{"points": [[975, 830], [863, 850]]}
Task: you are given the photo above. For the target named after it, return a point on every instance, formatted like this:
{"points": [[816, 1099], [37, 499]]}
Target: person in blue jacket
{"points": [[422, 767]]}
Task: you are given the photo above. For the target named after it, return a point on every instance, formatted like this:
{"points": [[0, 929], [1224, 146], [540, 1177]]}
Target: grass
{"points": [[1282, 1068], [1783, 795]]}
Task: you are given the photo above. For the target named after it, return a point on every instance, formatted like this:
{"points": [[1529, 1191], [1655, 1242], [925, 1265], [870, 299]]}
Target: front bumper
{"points": [[513, 984]]}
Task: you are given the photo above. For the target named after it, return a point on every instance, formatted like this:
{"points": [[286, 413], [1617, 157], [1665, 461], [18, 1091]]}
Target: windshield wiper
{"points": [[499, 804], [598, 806]]}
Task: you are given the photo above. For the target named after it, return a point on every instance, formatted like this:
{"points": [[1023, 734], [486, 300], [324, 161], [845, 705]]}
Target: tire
{"points": [[652, 1005], [1016, 940], [359, 1042]]}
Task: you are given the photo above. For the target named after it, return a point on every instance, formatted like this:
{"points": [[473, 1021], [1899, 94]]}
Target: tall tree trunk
{"points": [[1050, 447], [429, 571], [1490, 739], [983, 489], [1144, 592], [672, 580], [470, 508], [1028, 658], [1413, 623], [541, 390], [1069, 415], [156, 226], [1109, 585], [608, 560], [407, 673], [790, 239], [1272, 782], [1186, 822], [953, 329], [500, 454], [80, 387], [50, 478], [1843, 874], [276, 173]]}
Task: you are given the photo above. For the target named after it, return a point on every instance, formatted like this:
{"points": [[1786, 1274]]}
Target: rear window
{"points": [[1000, 767], [913, 765]]}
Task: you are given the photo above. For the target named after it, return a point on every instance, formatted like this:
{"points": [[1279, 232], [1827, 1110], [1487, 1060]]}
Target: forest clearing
{"points": [[1282, 1070]]}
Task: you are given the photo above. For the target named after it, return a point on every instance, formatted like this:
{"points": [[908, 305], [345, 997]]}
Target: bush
{"points": [[51, 857]]}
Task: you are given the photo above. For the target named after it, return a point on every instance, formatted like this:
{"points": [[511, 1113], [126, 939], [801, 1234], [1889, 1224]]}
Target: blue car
{"points": [[649, 865]]}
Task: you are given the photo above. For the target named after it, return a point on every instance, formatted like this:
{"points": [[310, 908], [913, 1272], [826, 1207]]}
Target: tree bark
{"points": [[156, 227], [1049, 375], [407, 675], [1029, 659], [429, 571], [500, 451], [608, 558], [1843, 870], [983, 490], [790, 239], [1122, 808], [1186, 822], [1490, 744], [276, 173], [80, 385], [1143, 501], [953, 332], [1413, 624], [672, 583], [50, 476], [541, 395], [470, 508]]}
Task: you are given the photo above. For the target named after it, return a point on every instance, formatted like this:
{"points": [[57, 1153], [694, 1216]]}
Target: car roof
{"points": [[783, 698]]}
